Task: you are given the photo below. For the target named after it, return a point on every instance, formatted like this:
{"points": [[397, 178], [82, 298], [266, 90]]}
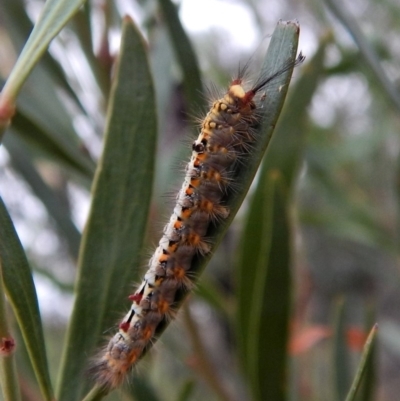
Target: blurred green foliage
{"points": [[309, 264]]}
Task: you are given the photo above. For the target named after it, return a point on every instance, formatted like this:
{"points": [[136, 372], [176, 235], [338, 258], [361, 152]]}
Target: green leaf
{"points": [[186, 57], [341, 352], [21, 293], [263, 268], [362, 366], [8, 372], [114, 234], [19, 26], [55, 14], [369, 380], [264, 290]]}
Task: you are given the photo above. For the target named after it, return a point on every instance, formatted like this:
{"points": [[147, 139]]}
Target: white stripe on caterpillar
{"points": [[226, 135]]}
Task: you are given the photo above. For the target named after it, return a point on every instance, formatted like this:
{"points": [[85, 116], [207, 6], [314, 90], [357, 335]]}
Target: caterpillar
{"points": [[226, 137]]}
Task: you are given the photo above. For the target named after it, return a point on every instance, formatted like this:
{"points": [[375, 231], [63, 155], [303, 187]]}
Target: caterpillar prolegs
{"points": [[226, 138]]}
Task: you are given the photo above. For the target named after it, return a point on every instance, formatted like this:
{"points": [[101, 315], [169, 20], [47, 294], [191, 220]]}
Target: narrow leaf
{"points": [[365, 360], [114, 234], [186, 57], [283, 155], [341, 353], [369, 381], [265, 252], [19, 27], [55, 14], [265, 362], [8, 372], [21, 293]]}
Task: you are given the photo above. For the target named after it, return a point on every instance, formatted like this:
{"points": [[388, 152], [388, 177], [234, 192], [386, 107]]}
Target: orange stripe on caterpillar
{"points": [[226, 138]]}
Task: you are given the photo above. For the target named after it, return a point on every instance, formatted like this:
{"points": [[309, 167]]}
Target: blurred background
{"points": [[344, 205]]}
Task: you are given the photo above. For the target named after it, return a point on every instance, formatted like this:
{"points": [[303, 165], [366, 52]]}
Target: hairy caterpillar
{"points": [[225, 140]]}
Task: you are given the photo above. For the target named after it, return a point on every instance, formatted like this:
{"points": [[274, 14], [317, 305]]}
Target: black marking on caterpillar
{"points": [[226, 137]]}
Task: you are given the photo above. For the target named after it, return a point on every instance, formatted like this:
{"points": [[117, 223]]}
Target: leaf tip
{"points": [[127, 19], [295, 23]]}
